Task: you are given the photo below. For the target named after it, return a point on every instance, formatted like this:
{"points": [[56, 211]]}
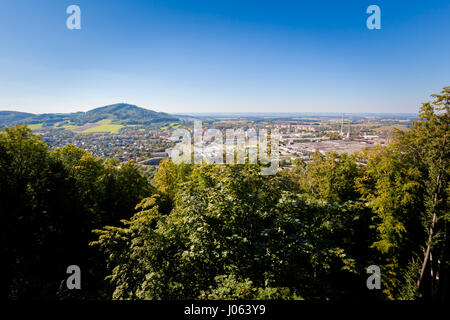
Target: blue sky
{"points": [[223, 55]]}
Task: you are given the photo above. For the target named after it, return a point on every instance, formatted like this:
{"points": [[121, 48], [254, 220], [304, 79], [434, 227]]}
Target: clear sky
{"points": [[223, 55]]}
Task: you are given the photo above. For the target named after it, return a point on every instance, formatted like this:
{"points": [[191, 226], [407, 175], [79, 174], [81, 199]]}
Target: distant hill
{"points": [[120, 113], [11, 117], [127, 114]]}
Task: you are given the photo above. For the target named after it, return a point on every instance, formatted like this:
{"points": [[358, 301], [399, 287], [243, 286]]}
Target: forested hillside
{"points": [[122, 113], [227, 232]]}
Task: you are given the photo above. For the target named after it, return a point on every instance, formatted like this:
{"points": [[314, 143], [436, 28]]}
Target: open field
{"points": [[112, 128], [104, 125], [35, 126]]}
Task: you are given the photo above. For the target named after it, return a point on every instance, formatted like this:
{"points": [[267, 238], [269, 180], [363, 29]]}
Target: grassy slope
{"points": [[113, 128], [35, 126]]}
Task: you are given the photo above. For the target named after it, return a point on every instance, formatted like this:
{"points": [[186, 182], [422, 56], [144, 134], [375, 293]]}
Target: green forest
{"points": [[225, 231]]}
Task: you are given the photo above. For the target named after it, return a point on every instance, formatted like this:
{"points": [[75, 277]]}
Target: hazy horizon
{"points": [[334, 113], [223, 56]]}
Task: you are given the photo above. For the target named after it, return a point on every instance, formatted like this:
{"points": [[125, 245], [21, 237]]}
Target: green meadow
{"points": [[112, 128], [35, 126]]}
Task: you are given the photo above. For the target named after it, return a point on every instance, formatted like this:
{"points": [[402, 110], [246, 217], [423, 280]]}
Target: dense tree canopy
{"points": [[233, 229], [406, 184], [50, 202]]}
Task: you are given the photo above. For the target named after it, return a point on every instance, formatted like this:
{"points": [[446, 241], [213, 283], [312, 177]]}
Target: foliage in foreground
{"points": [[50, 202], [233, 231]]}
